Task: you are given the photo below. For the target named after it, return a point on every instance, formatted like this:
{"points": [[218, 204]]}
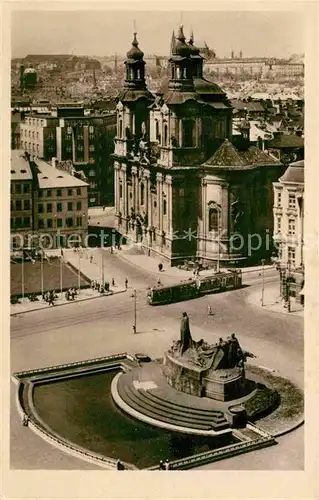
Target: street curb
{"points": [[67, 303], [291, 428]]}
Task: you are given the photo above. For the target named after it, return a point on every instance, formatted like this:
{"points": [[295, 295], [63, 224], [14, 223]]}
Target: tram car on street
{"points": [[192, 288]]}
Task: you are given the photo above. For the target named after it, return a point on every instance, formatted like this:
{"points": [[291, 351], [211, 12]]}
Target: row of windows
{"points": [[32, 147], [291, 226], [28, 133], [291, 200], [42, 208], [91, 130], [18, 188], [50, 192], [34, 121], [20, 222], [58, 223], [20, 205]]}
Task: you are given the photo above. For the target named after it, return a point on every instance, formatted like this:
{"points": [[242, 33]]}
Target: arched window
{"points": [[138, 74], [157, 134], [164, 207], [142, 194], [120, 128], [213, 219], [188, 129], [173, 72], [165, 134], [178, 73]]}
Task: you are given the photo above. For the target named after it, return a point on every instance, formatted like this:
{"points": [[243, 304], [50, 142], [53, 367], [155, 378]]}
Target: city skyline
{"points": [[256, 34]]}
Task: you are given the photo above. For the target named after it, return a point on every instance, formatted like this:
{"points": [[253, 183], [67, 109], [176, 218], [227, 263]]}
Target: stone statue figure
{"points": [[186, 338], [234, 351]]}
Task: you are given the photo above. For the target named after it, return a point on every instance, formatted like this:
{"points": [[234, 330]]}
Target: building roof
{"points": [[294, 173], [250, 106], [20, 168], [51, 177], [228, 156], [286, 141], [202, 87]]}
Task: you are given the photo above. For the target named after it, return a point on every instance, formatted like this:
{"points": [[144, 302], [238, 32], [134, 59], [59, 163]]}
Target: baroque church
{"points": [[183, 189]]}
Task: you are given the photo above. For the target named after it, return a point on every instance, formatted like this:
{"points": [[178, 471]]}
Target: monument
{"points": [[204, 370]]}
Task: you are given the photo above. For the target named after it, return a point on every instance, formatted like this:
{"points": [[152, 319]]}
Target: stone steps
{"points": [[169, 412]]}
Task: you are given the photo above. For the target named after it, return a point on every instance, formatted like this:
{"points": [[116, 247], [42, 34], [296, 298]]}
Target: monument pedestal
{"points": [[224, 385]]}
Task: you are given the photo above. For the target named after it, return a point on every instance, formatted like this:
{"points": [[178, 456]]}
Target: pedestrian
{"points": [[111, 248], [209, 310], [113, 282], [161, 465], [51, 299], [159, 281], [25, 420], [119, 465], [91, 259], [166, 465], [67, 295], [126, 283], [134, 329]]}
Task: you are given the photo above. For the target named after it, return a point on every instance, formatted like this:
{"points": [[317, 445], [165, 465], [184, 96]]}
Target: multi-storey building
{"points": [[46, 202], [181, 186], [38, 135], [69, 134], [255, 66], [21, 209], [288, 213]]}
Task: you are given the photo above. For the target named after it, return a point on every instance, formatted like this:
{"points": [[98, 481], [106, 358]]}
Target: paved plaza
{"points": [[103, 326]]}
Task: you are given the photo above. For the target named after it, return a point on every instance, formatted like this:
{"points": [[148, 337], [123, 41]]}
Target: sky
{"points": [[102, 33]]}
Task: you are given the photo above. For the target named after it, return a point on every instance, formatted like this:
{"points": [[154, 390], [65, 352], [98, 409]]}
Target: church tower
{"points": [[133, 102]]}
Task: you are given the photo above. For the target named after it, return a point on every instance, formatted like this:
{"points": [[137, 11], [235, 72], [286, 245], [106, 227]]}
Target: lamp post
{"points": [[263, 282], [102, 268], [134, 309], [22, 274]]}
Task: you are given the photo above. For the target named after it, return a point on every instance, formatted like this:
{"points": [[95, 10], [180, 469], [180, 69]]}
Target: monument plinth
{"points": [[204, 370]]}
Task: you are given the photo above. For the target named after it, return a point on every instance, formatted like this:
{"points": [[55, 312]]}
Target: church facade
{"points": [[182, 188]]}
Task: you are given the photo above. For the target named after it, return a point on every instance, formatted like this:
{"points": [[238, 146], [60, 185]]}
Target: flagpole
{"points": [[22, 277], [41, 272], [61, 270], [79, 273], [102, 284]]}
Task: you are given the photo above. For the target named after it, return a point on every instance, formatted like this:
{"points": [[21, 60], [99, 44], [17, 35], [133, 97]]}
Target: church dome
{"points": [[181, 48], [29, 70], [135, 52]]}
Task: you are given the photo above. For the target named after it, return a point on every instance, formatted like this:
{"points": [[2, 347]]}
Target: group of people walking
{"points": [[50, 297], [71, 293]]}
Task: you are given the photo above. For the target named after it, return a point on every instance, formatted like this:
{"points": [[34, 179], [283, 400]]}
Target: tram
{"points": [[192, 288]]}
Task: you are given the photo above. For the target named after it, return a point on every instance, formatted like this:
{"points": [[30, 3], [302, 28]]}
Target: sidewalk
{"points": [[272, 300], [139, 258]]}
